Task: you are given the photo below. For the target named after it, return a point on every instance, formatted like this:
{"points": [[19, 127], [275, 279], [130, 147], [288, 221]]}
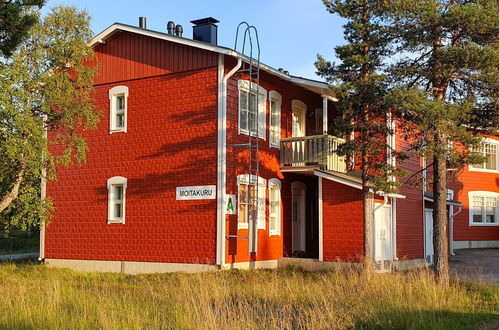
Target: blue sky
{"points": [[292, 32]]}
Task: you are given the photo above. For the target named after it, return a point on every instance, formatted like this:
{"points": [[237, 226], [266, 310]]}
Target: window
{"points": [[274, 207], [488, 149], [118, 103], [484, 208], [246, 196], [116, 194], [275, 101], [248, 109]]}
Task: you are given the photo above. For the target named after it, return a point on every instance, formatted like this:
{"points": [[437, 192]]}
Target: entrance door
{"points": [[298, 192], [299, 109], [429, 236], [383, 250]]}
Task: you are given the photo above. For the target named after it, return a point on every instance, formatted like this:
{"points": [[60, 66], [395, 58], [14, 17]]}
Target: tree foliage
{"points": [[15, 22], [361, 88], [46, 79], [446, 83]]}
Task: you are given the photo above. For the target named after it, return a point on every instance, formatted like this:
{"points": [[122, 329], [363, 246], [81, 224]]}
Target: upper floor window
{"points": [[274, 207], [249, 110], [247, 193], [118, 104], [116, 193], [275, 100], [484, 206], [488, 149]]}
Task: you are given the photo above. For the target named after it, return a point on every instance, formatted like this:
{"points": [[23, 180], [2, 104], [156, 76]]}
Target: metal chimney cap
{"points": [[207, 20]]}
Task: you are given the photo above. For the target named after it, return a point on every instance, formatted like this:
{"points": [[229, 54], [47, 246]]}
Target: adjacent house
{"points": [[206, 158]]}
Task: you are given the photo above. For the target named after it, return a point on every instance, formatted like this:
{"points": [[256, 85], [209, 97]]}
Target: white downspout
{"points": [[222, 156], [43, 195], [451, 229]]}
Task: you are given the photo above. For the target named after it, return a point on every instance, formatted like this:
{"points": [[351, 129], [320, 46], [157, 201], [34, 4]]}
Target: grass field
{"points": [[34, 296]]}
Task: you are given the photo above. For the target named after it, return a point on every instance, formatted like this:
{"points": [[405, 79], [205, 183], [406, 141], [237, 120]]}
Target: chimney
{"points": [[142, 22], [179, 30], [170, 27], [205, 30]]}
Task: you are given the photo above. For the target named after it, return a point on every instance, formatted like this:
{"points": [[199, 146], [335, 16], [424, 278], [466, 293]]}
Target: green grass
{"points": [[37, 297], [18, 243]]}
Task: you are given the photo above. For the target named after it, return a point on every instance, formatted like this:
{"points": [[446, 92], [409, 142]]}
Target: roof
{"points": [[315, 86], [430, 197]]}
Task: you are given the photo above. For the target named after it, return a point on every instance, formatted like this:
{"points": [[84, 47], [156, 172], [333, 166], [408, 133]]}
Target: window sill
{"points": [[117, 131], [277, 146], [471, 169], [109, 221], [245, 132], [274, 234], [489, 224]]}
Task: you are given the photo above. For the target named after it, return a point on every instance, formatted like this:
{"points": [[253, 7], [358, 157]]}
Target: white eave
{"points": [[315, 86]]}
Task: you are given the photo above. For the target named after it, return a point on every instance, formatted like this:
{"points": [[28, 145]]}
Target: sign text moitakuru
{"points": [[196, 192]]}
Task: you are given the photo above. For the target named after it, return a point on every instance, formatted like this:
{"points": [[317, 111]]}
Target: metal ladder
{"points": [[251, 68]]}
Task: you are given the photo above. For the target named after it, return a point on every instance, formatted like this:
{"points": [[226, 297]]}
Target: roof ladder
{"points": [[250, 69]]}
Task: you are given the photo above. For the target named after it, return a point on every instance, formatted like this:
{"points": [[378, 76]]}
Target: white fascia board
{"points": [[338, 179], [159, 35]]}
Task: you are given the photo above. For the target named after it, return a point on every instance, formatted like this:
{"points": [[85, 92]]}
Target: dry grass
{"points": [[33, 296]]}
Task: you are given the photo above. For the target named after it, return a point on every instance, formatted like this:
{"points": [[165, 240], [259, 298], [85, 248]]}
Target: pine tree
{"points": [[15, 22], [360, 86], [448, 84], [46, 83]]}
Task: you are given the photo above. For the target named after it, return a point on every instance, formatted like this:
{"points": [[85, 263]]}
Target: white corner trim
{"points": [[222, 157], [321, 221]]}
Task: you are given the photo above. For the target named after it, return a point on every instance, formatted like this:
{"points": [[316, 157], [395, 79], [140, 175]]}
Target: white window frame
{"points": [[275, 127], [488, 141], [262, 202], [473, 194], [244, 86], [275, 231], [114, 93], [111, 182]]}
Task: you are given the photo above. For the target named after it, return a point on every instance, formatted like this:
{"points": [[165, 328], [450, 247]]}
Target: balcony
{"points": [[318, 151]]}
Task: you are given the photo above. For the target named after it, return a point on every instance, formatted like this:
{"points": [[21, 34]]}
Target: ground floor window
{"points": [[251, 192], [274, 207], [484, 208], [116, 187]]}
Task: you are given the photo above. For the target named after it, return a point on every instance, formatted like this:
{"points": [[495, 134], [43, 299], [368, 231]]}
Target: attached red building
{"points": [[165, 185]]}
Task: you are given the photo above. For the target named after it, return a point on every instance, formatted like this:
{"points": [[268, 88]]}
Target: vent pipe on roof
{"points": [[142, 22], [179, 30], [170, 27], [205, 29]]}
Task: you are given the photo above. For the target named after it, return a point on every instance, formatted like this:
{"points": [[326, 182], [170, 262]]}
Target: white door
{"points": [[298, 192], [383, 250], [299, 109], [429, 236]]}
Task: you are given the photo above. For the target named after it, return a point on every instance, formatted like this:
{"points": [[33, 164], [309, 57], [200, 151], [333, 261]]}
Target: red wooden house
{"points": [[173, 178]]}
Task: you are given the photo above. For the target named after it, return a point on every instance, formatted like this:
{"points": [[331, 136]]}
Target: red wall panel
{"points": [[171, 141]]}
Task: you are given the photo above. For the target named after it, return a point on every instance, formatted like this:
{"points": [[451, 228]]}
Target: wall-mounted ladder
{"points": [[251, 69]]}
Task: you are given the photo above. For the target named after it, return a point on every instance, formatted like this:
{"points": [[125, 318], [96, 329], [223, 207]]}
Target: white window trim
{"points": [[262, 183], [115, 180], [275, 96], [244, 85], [472, 194], [277, 232], [113, 94], [474, 169]]}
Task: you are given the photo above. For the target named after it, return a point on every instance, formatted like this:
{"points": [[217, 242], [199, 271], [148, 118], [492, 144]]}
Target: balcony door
{"points": [[299, 110]]}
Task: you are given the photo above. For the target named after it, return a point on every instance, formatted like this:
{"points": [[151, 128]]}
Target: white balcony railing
{"points": [[319, 150]]}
